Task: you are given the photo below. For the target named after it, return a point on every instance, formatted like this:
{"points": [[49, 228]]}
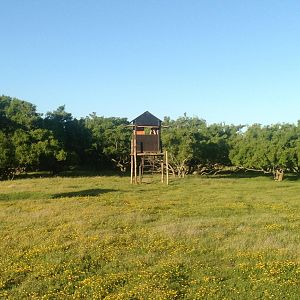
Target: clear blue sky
{"points": [[224, 61]]}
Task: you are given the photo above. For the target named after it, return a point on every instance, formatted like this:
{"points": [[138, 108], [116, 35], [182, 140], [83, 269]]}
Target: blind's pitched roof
{"points": [[146, 119]]}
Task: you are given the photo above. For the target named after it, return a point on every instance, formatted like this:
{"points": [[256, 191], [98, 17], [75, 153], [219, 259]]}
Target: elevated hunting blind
{"points": [[146, 147]]}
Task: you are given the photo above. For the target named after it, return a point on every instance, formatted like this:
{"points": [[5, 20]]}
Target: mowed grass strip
{"points": [[102, 238]]}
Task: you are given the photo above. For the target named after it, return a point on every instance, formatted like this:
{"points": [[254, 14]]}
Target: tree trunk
{"points": [[278, 175]]}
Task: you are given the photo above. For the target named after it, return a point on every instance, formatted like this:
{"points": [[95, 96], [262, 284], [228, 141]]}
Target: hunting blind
{"points": [[146, 147]]}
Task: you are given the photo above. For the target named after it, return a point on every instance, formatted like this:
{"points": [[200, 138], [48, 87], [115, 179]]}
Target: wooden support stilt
{"points": [[131, 169], [142, 164], [162, 171], [167, 167], [135, 159], [140, 174], [135, 169]]}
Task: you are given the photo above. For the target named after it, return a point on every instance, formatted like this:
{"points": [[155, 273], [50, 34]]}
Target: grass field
{"points": [[101, 238]]}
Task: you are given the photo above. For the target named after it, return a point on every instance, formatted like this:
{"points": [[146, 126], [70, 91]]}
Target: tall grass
{"points": [[100, 237]]}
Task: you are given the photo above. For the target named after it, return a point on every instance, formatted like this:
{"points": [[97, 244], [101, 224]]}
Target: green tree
{"points": [[6, 155], [74, 137], [24, 145], [22, 113], [110, 141], [269, 149], [181, 138]]}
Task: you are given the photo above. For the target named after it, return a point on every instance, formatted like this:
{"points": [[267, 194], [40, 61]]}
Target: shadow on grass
{"points": [[83, 193], [241, 175], [236, 175], [43, 196], [291, 178], [15, 196], [250, 174], [72, 174], [92, 173]]}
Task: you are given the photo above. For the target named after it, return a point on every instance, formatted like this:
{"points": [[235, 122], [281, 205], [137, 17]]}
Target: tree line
{"points": [[56, 141]]}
